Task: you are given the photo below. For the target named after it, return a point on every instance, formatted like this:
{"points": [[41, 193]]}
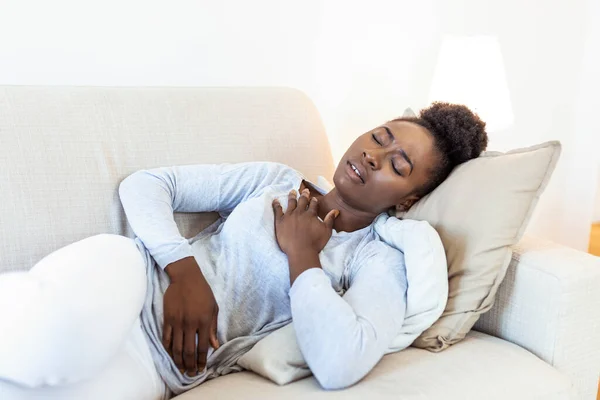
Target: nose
{"points": [[372, 158]]}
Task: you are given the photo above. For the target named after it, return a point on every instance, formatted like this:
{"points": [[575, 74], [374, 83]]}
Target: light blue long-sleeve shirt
{"points": [[345, 314]]}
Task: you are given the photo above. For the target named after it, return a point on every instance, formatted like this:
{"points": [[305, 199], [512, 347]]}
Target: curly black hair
{"points": [[459, 135]]}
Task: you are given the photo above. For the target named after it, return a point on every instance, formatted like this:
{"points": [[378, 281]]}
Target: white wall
{"points": [[596, 216], [361, 62], [360, 65]]}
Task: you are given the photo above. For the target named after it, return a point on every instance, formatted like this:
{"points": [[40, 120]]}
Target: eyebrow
{"points": [[402, 152]]}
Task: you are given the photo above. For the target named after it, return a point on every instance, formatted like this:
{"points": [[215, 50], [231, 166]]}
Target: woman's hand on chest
{"points": [[299, 229]]}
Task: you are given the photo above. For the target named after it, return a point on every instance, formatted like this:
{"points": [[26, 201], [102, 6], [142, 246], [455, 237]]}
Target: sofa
{"points": [[64, 151]]}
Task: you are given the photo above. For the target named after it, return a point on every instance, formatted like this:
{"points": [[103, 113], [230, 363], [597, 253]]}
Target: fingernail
{"points": [[294, 192], [306, 191], [337, 213], [182, 371]]}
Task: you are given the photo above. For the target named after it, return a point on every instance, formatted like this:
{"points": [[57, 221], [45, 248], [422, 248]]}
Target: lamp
{"points": [[470, 71]]}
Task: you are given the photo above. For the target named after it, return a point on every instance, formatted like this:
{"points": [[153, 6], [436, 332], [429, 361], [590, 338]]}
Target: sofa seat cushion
{"points": [[480, 367]]}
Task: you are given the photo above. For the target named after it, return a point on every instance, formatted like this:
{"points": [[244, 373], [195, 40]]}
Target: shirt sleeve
{"points": [[343, 338], [149, 198]]}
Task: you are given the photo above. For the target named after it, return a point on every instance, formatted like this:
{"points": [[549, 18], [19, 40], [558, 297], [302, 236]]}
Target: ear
{"points": [[406, 204]]}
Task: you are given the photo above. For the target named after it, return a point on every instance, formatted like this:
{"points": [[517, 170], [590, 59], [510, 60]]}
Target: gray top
{"points": [[345, 314]]}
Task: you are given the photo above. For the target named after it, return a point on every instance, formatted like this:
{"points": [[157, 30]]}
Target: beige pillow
{"points": [[480, 211]]}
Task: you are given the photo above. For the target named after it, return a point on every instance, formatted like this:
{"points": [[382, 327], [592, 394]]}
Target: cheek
{"points": [[391, 190]]}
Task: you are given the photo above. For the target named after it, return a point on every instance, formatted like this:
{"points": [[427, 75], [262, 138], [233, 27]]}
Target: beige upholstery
{"points": [[480, 367], [63, 151], [549, 304]]}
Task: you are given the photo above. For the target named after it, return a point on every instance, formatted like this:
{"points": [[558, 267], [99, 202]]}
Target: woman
{"points": [[273, 256]]}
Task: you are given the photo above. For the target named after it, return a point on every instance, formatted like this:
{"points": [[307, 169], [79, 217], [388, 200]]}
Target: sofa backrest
{"points": [[64, 151]]}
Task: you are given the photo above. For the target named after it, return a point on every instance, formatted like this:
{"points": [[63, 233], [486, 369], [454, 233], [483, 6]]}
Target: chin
{"points": [[337, 175], [342, 187]]}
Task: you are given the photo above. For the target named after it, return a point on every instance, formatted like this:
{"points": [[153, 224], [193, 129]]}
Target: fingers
{"points": [[189, 351], [330, 217], [277, 209], [167, 339], [304, 199], [213, 340], [292, 202], [178, 348], [313, 206], [203, 334]]}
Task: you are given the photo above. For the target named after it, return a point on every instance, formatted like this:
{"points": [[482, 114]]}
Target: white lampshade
{"points": [[470, 71]]}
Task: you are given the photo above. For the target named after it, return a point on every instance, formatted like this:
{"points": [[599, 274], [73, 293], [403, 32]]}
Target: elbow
{"points": [[337, 383], [342, 369], [125, 183], [346, 363], [339, 375], [123, 188], [129, 183]]}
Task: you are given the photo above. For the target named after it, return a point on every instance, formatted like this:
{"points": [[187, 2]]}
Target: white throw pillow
{"points": [[277, 357]]}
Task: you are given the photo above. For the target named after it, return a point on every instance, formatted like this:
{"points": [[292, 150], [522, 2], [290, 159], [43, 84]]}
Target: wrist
{"points": [[302, 252], [301, 261], [304, 258], [184, 269]]}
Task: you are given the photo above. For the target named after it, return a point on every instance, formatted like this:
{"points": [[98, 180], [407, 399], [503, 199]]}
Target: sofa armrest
{"points": [[549, 304]]}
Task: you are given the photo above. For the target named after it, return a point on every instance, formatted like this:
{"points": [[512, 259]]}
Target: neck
{"points": [[350, 219]]}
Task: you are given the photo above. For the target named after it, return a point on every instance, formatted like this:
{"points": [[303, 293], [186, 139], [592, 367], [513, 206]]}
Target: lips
{"points": [[359, 178]]}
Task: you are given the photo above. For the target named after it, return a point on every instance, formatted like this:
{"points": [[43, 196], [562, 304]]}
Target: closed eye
{"points": [[375, 139], [379, 143]]}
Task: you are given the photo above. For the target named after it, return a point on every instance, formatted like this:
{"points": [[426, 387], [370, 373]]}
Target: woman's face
{"points": [[394, 160]]}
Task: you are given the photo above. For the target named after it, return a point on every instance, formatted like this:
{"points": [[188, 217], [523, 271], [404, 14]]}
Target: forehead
{"points": [[418, 144], [410, 131], [415, 140]]}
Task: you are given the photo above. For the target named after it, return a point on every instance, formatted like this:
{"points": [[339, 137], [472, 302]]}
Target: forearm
{"points": [[339, 346], [150, 197]]}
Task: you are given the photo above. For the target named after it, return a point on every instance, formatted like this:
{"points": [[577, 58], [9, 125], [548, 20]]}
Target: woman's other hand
{"points": [[190, 309], [298, 230]]}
